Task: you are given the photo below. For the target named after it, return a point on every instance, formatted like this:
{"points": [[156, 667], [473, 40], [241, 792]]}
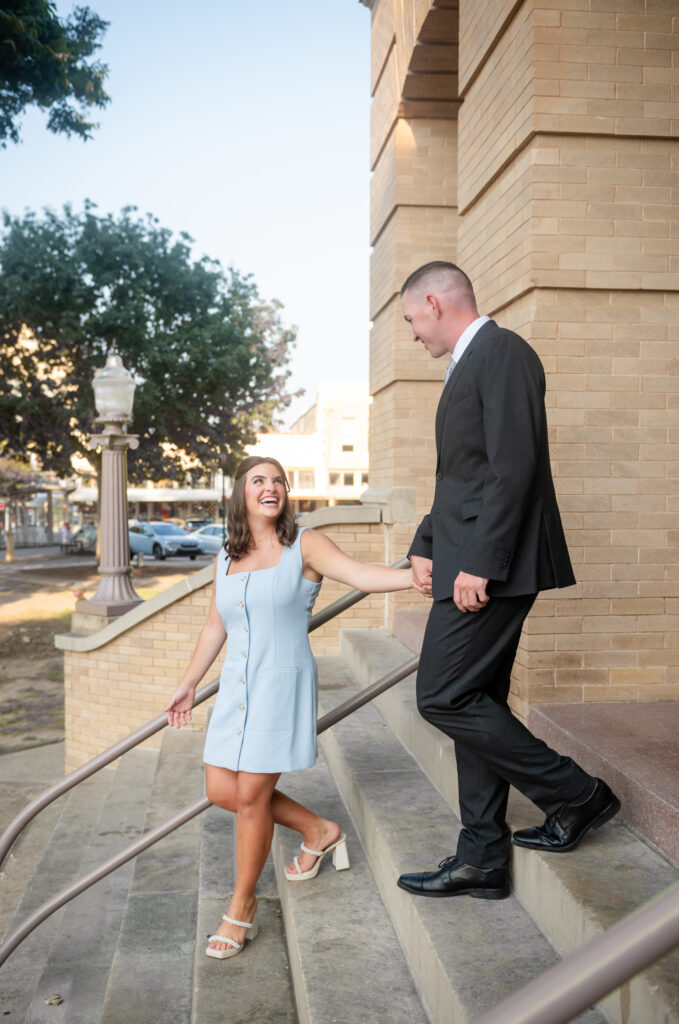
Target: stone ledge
{"points": [[75, 642], [396, 504], [340, 514], [378, 505]]}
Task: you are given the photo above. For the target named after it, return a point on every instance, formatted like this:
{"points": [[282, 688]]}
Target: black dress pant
{"points": [[462, 688]]}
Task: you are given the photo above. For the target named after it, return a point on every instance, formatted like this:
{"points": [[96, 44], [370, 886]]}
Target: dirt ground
{"points": [[34, 607]]}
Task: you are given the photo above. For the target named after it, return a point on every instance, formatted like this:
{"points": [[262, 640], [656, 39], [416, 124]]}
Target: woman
{"points": [[264, 720]]}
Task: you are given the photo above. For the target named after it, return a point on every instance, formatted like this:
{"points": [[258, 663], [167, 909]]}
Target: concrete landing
{"points": [[634, 747]]}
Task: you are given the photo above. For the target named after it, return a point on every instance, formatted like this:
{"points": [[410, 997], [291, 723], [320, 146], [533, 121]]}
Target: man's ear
{"points": [[434, 306]]}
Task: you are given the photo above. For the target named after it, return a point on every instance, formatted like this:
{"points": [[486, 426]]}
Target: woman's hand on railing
{"points": [[179, 708]]}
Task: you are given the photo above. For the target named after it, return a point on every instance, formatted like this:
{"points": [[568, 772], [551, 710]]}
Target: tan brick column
{"points": [[413, 219], [568, 187]]}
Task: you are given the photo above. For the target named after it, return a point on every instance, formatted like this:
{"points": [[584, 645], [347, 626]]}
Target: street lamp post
{"points": [[113, 394]]}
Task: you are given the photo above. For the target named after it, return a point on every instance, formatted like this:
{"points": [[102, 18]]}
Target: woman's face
{"points": [[264, 492]]}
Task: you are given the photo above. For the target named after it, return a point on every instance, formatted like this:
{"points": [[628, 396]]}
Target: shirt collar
{"points": [[466, 337]]}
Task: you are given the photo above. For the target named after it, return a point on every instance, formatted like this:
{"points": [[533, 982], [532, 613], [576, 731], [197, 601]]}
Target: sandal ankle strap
{"points": [[240, 924], [314, 853]]}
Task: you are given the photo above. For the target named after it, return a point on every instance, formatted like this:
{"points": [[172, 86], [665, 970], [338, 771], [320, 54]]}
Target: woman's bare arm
{"points": [[324, 558]]}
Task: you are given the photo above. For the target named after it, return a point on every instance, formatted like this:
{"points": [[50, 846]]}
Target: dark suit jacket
{"points": [[494, 513]]}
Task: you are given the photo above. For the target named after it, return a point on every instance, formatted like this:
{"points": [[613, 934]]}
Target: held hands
{"points": [[470, 592], [421, 570], [179, 708]]}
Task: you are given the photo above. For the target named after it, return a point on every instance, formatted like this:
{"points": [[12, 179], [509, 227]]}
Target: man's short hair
{"points": [[441, 274]]}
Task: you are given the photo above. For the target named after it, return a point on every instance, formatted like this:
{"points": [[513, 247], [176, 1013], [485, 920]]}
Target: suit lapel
{"points": [[454, 380]]}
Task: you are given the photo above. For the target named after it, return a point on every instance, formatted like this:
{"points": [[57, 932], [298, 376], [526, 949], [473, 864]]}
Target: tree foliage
{"points": [[44, 62], [209, 356], [16, 477]]}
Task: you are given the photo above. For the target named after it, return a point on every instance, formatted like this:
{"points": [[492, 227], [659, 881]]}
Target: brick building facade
{"points": [[537, 145]]}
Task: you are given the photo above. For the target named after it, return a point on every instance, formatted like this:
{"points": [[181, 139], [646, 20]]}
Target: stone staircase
{"points": [[348, 947]]}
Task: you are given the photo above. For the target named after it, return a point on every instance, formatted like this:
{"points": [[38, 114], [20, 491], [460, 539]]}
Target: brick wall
{"points": [[116, 688], [366, 542]]}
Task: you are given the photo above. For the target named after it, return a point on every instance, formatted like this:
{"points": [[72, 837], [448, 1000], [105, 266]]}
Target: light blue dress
{"points": [[264, 719]]}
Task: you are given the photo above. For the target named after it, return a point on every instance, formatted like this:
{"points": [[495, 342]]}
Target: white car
{"points": [[210, 538]]}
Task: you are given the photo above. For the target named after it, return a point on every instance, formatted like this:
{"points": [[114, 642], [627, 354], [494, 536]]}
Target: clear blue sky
{"points": [[245, 124]]}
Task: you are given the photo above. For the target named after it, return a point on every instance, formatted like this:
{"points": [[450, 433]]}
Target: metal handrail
{"points": [[49, 795], [149, 838], [90, 768], [591, 972]]}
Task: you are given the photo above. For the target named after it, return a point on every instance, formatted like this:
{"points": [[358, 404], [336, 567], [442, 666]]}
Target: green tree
{"points": [[209, 356], [43, 62]]}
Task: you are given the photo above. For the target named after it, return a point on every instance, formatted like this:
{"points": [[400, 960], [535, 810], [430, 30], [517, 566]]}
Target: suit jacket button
{"points": [[439, 476]]}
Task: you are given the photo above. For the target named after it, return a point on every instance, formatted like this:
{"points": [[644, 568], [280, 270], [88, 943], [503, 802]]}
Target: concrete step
{"points": [[345, 958], [23, 776], [150, 980], [572, 898], [60, 863], [465, 955], [82, 952]]}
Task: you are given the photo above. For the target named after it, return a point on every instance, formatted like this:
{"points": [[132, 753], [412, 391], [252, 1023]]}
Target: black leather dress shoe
{"points": [[456, 879], [563, 830]]}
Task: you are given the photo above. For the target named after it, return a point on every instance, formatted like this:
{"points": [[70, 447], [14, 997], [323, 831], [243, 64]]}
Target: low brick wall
{"points": [[119, 678]]}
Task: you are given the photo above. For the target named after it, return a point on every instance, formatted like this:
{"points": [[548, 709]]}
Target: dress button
{"points": [[242, 707], [242, 604], [242, 682], [246, 629], [244, 654], [243, 579], [240, 732]]}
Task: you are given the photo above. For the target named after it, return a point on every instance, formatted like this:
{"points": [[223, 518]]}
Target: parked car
{"points": [[210, 538], [84, 540], [161, 540]]}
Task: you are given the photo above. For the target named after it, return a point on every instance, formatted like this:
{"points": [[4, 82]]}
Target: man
{"points": [[492, 540]]}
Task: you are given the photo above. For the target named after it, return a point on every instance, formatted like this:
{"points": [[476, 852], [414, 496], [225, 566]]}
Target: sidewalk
{"points": [[52, 557], [42, 558]]}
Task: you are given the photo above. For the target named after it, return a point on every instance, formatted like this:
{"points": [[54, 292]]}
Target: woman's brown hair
{"points": [[239, 540]]}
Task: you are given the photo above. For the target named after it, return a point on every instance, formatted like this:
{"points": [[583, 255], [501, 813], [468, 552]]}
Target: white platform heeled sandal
{"points": [[235, 947], [340, 859]]}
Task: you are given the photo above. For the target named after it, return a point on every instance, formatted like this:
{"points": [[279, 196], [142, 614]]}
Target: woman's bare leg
{"points": [[254, 832], [221, 788]]}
